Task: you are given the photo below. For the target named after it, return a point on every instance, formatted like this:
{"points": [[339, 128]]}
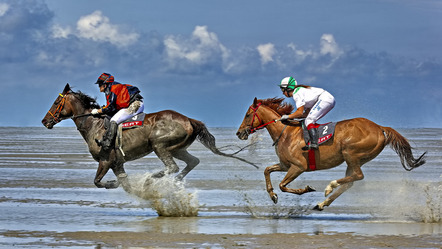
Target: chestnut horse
{"points": [[356, 141], [167, 133]]}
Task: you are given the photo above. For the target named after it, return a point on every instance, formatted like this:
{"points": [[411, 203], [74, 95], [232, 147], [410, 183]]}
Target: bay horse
{"points": [[166, 133], [356, 142]]}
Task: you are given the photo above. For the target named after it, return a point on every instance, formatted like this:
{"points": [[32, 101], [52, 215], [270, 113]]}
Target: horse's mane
{"points": [[277, 105], [86, 100]]}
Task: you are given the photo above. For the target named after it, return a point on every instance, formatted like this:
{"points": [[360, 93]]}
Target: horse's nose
{"points": [[242, 134], [46, 124]]}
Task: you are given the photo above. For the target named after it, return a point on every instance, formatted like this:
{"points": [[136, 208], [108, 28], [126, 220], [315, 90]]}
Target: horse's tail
{"points": [[208, 140], [400, 144]]}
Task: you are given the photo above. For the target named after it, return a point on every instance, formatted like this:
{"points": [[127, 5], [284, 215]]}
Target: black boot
{"points": [[313, 132], [108, 137]]}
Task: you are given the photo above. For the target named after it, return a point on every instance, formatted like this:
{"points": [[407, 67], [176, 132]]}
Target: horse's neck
{"points": [[88, 126], [275, 129]]}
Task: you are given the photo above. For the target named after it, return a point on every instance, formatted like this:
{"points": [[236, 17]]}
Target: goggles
{"points": [[285, 89]]}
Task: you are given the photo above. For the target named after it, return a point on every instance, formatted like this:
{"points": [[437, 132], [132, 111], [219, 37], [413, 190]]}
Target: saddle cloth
{"points": [[135, 121], [325, 132]]}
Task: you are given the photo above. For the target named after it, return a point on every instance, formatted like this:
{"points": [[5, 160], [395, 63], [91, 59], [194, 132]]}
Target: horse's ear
{"points": [[255, 101], [67, 88]]}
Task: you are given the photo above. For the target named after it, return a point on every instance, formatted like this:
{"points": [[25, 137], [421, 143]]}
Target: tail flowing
{"points": [[208, 140], [403, 149]]}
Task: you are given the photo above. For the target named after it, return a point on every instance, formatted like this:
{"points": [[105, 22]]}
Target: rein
{"points": [[253, 130]]}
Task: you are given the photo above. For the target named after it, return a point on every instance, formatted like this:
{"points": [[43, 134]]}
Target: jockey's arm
{"points": [[299, 113]]}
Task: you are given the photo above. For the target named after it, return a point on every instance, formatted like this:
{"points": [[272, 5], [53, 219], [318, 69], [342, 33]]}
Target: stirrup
{"points": [[310, 146]]}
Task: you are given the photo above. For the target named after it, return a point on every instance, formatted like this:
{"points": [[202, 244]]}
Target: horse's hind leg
{"points": [[190, 160], [350, 175], [336, 194], [166, 157]]}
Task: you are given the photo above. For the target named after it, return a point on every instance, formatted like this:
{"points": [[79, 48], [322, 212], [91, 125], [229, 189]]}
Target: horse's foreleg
{"points": [[267, 171], [103, 168], [121, 175], [291, 175], [191, 162]]}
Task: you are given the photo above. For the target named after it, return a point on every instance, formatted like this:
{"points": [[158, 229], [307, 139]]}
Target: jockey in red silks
{"points": [[123, 102], [312, 103]]}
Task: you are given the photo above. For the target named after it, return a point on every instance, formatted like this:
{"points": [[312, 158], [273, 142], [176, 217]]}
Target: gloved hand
{"points": [[284, 117], [94, 112]]}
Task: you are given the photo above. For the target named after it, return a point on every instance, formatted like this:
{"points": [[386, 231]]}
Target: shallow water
{"points": [[46, 184]]}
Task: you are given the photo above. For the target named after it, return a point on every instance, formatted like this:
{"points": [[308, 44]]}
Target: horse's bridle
{"points": [[255, 114], [56, 114]]}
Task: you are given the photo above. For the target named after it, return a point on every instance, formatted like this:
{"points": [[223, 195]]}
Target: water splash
{"points": [[431, 212], [410, 200], [275, 211], [167, 196]]}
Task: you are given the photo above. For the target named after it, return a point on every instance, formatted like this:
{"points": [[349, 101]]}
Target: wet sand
{"points": [[183, 240]]}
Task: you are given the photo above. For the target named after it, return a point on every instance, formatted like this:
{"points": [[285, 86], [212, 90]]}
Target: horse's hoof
{"points": [[310, 189], [328, 190], [317, 208], [111, 184], [275, 199], [159, 174]]}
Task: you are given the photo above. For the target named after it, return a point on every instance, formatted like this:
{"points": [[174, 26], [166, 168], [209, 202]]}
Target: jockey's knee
{"points": [[308, 121]]}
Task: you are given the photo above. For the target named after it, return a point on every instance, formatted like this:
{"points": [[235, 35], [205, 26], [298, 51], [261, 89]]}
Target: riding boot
{"points": [[108, 137], [313, 132]]}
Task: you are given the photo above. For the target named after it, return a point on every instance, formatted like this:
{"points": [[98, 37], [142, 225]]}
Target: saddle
{"points": [[325, 132], [134, 122]]}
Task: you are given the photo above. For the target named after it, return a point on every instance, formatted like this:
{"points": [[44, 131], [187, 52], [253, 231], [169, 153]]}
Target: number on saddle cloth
{"points": [[325, 132]]}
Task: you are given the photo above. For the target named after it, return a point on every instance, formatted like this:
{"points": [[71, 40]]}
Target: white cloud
{"points": [[98, 27], [300, 54], [329, 45], [202, 47], [4, 7], [60, 32], [266, 51]]}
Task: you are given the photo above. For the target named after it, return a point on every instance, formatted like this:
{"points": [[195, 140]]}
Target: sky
{"points": [[382, 60]]}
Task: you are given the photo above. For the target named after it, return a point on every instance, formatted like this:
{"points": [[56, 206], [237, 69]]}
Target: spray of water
{"points": [[431, 211], [277, 211], [407, 200], [167, 196]]}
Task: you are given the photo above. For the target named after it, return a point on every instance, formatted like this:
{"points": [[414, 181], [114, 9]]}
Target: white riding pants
{"points": [[133, 109], [325, 103]]}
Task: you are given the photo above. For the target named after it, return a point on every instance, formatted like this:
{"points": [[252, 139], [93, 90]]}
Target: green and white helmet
{"points": [[288, 83]]}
